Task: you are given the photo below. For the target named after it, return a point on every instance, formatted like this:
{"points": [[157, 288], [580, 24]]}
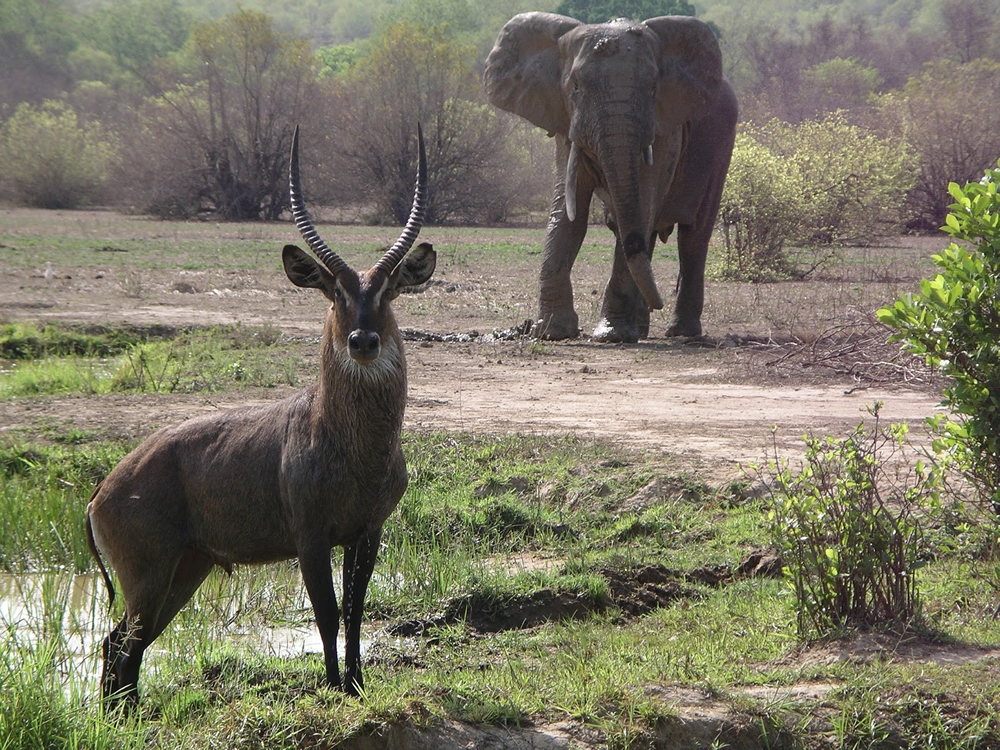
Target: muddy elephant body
{"points": [[644, 119]]}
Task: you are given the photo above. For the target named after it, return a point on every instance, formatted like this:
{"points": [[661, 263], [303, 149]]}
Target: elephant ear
{"points": [[522, 71], [690, 67]]}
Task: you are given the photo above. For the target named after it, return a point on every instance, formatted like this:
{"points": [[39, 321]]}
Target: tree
{"points": [[943, 113], [51, 159], [599, 11], [419, 74], [838, 84], [970, 28], [36, 40], [135, 33], [216, 138]]}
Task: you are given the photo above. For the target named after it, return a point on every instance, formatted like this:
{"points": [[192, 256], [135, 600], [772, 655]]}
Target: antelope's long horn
{"points": [[395, 253], [305, 226]]}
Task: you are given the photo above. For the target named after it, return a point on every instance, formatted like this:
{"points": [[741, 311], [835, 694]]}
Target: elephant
{"points": [[643, 117]]}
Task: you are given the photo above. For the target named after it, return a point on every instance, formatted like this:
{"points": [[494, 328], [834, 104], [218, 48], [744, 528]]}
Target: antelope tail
{"points": [[97, 556]]}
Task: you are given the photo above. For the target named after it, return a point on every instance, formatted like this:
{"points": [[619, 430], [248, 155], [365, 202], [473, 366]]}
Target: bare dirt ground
{"points": [[781, 357]]}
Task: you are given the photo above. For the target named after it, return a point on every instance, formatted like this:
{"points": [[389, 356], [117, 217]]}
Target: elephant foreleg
{"points": [[692, 249], [557, 318], [624, 311]]}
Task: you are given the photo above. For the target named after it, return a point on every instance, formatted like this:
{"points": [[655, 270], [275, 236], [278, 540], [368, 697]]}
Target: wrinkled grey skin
{"points": [[643, 117]]}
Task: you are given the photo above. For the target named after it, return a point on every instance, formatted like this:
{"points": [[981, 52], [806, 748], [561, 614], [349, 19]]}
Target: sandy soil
{"points": [[708, 406]]}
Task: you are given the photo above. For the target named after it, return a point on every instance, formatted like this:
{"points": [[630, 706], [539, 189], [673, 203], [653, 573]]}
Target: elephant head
{"points": [[623, 95]]}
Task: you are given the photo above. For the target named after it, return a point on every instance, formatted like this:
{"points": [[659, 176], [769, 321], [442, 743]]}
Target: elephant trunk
{"points": [[622, 164], [637, 257]]}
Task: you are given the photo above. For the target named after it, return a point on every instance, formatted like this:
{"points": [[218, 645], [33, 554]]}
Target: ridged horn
{"points": [[305, 226], [394, 254]]}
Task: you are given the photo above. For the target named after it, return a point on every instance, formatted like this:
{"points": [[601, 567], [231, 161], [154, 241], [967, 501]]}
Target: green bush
{"points": [[823, 182], [51, 159], [954, 324], [761, 205], [856, 181], [850, 531]]}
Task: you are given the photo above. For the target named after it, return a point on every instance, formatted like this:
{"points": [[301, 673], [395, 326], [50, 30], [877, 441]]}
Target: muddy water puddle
{"points": [[69, 614]]}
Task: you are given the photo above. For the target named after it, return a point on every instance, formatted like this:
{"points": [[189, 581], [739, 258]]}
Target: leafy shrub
{"points": [[51, 159], [761, 205], [855, 180], [954, 324], [822, 182], [849, 531]]}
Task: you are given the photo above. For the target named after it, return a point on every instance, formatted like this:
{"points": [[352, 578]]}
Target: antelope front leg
{"points": [[317, 574], [359, 562]]}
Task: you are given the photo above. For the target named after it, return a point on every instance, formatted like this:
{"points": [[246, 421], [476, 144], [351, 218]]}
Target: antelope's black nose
{"points": [[363, 345]]}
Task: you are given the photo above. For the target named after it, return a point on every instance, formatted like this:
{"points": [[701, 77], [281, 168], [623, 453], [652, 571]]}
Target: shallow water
{"points": [[71, 611]]}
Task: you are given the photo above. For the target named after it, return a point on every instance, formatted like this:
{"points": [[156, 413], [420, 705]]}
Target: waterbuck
{"points": [[292, 479]]}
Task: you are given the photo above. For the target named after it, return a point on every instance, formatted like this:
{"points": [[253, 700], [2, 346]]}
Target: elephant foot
{"points": [[556, 326], [688, 329], [610, 333]]}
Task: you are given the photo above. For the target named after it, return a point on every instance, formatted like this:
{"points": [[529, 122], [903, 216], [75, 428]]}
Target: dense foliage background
{"points": [[184, 108]]}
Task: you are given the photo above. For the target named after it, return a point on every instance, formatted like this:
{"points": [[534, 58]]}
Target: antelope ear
{"points": [[415, 268], [690, 67], [523, 72], [303, 271]]}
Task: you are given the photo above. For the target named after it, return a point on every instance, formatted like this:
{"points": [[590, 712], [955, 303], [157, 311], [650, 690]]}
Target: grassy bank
{"points": [[522, 582]]}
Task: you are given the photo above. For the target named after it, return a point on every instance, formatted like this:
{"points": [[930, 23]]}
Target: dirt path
{"points": [[651, 396], [705, 408]]}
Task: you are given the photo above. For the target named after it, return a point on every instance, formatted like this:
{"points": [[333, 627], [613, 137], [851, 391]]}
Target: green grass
{"points": [[476, 507], [53, 360]]}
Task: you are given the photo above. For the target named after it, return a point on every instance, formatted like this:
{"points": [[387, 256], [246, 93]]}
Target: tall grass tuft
{"points": [[46, 700], [43, 495]]}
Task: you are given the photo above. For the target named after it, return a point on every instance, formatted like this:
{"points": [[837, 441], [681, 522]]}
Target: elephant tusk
{"points": [[570, 187], [647, 154]]}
